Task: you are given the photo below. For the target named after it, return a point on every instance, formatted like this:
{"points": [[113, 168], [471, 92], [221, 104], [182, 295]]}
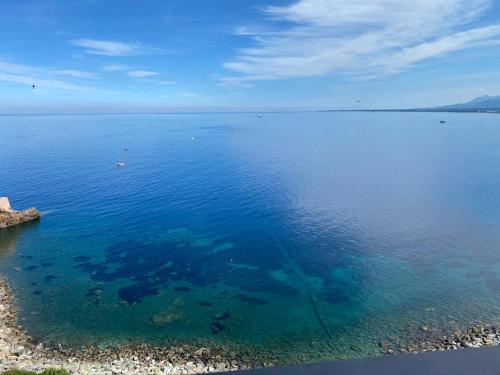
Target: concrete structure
{"points": [[4, 204]]}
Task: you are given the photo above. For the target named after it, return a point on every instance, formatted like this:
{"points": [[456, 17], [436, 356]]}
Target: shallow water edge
{"points": [[19, 350]]}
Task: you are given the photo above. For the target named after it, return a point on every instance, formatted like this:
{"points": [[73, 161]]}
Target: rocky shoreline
{"points": [[431, 340], [20, 351], [474, 337]]}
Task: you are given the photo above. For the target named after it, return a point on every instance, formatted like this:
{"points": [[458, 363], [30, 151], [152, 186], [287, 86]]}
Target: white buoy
{"points": [[120, 164]]}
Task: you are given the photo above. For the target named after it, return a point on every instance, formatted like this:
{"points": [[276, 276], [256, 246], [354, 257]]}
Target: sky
{"points": [[161, 55]]}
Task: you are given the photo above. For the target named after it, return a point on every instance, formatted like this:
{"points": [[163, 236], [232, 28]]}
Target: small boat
{"points": [[120, 164]]}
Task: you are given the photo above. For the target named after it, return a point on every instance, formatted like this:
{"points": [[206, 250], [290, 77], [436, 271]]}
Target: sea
{"points": [[307, 236]]}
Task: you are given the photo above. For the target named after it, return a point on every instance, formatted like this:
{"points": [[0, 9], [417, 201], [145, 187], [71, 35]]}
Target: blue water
{"points": [[311, 235]]}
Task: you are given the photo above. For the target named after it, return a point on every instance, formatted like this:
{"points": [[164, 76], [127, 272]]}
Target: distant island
{"points": [[484, 104]]}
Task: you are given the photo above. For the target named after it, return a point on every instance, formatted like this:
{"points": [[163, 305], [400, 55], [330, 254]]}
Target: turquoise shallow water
{"points": [[312, 235]]}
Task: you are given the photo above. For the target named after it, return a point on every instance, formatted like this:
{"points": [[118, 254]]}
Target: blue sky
{"points": [[93, 55]]}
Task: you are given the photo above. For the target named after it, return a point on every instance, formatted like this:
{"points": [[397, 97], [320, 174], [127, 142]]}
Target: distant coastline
{"points": [[409, 110], [482, 104], [417, 110]]}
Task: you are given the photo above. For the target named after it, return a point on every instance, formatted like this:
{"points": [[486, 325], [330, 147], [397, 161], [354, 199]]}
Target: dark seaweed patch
{"points": [[217, 326], [222, 316], [336, 295], [49, 278], [37, 292], [98, 271], [136, 293], [251, 300], [182, 289]]}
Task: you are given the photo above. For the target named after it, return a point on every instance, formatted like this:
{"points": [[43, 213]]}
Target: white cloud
{"points": [[43, 78], [106, 47], [455, 42], [114, 48], [157, 81], [75, 73], [49, 84], [115, 67], [166, 83], [358, 37], [142, 73]]}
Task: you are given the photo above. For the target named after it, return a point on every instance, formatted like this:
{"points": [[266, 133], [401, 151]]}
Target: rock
{"points": [[9, 217], [5, 204], [200, 352], [19, 350]]}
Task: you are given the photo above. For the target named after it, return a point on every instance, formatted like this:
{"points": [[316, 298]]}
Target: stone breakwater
{"points": [[19, 351]]}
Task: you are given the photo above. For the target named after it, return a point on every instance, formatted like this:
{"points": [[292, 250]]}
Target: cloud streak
{"points": [[142, 73], [75, 73], [44, 78], [115, 67], [114, 48], [358, 37]]}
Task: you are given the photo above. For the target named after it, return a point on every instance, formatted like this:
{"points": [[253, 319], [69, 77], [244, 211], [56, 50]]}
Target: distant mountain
{"points": [[485, 102]]}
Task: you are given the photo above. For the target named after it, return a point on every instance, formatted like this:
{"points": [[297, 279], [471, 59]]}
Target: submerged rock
{"points": [[166, 317], [9, 217]]}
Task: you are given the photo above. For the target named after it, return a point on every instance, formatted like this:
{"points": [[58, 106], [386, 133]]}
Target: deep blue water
{"points": [[316, 235]]}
